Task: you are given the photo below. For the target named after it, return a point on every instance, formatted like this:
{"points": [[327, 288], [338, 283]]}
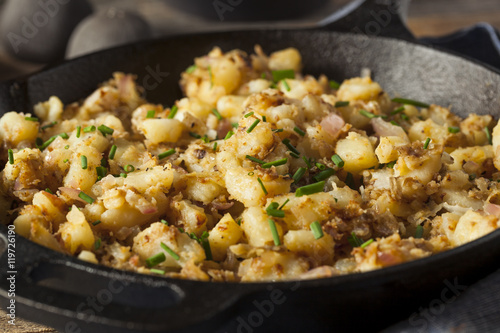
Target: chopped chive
{"points": [[83, 159], [89, 129], [405, 117], [398, 110], [419, 232], [166, 154], [391, 164], [299, 131], [105, 130], [215, 146], [255, 123], [316, 229], [31, 118], [285, 84], [262, 185], [38, 142], [287, 143], [101, 172], [426, 144], [368, 242], [310, 189], [488, 135], [47, 143], [275, 163], [11, 156], [249, 114], [112, 152], [205, 139], [308, 163], [169, 251], [263, 75], [251, 173], [104, 162], [64, 135], [238, 222], [97, 244], [195, 135], [229, 134], [66, 147], [294, 155], [472, 176], [394, 123], [85, 197], [320, 166], [284, 203], [210, 75], [354, 240], [410, 102], [298, 175], [52, 124], [78, 131], [274, 232], [272, 210], [151, 114], [156, 259], [334, 84], [341, 104], [123, 175], [129, 168], [264, 119], [453, 129], [349, 180], [205, 243], [173, 112], [191, 69], [217, 114], [278, 130], [235, 125], [339, 162], [366, 114], [325, 174], [165, 222], [96, 222], [279, 75], [157, 271], [65, 161], [254, 159]]}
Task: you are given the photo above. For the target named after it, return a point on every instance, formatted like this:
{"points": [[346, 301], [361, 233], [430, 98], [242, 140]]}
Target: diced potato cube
{"points": [[14, 128], [302, 242], [76, 232], [225, 233], [162, 130], [256, 227], [357, 153], [358, 89]]}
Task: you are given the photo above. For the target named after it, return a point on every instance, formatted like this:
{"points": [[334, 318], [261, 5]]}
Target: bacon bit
{"points": [[332, 124]]}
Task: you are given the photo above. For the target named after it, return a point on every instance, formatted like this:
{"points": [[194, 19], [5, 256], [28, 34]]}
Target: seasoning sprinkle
{"points": [[316, 229], [310, 189], [274, 232], [262, 185], [255, 123], [112, 152], [299, 131], [169, 251], [338, 161], [11, 156], [173, 112]]}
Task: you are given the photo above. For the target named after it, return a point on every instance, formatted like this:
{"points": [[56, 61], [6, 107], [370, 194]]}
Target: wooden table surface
{"points": [[425, 18]]}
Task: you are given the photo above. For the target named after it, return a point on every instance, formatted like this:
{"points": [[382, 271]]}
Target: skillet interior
{"points": [[400, 67]]}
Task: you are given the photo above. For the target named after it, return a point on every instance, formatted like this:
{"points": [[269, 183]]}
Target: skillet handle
{"points": [[69, 294], [372, 18]]}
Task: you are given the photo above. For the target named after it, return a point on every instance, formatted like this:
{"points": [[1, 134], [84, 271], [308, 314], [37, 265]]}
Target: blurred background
{"points": [[34, 33]]}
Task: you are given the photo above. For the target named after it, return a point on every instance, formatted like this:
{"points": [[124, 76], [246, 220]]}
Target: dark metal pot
{"points": [[76, 296]]}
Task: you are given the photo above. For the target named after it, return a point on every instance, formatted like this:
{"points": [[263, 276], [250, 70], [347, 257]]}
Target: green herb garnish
{"points": [[274, 232], [151, 114], [156, 259], [298, 175], [426, 144], [112, 152], [339, 162], [173, 112], [85, 197], [325, 174], [83, 160], [310, 189], [279, 75], [169, 251], [255, 123], [275, 163], [11, 156], [299, 131], [217, 114], [341, 104], [316, 229], [272, 210], [262, 185], [410, 102], [453, 129], [166, 153], [254, 159]]}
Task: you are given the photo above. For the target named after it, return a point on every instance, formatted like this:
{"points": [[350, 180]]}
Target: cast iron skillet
{"points": [[75, 296]]}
